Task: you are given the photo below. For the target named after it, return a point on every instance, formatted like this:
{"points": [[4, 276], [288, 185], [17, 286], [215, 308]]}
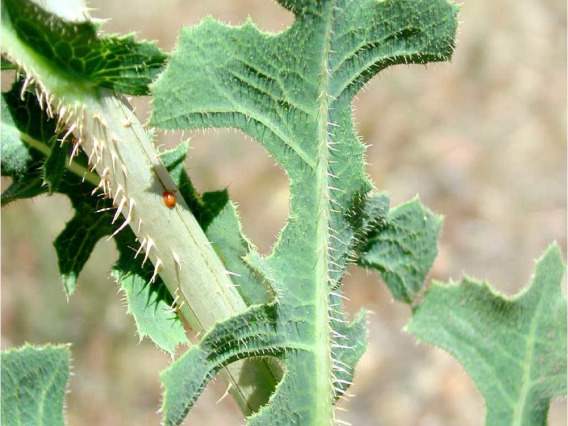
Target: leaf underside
{"points": [[76, 49], [292, 92], [34, 381], [513, 348]]}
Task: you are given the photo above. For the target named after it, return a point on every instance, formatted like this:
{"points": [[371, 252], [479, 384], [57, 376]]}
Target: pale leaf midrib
{"points": [[527, 372], [324, 394]]}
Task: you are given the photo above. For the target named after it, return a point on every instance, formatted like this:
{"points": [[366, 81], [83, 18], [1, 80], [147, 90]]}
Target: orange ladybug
{"points": [[169, 199]]}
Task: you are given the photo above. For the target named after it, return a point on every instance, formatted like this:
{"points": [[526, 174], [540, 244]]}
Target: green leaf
{"points": [[77, 241], [30, 187], [22, 116], [513, 348], [34, 381], [292, 92], [15, 155], [6, 65], [232, 246], [118, 63], [54, 167], [402, 247], [250, 334], [149, 302], [23, 164], [351, 345], [37, 167]]}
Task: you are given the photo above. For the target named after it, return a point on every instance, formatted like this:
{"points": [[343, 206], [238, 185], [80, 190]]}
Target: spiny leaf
{"points": [[351, 344], [33, 385], [30, 187], [16, 157], [402, 247], [20, 162], [54, 167], [150, 303], [77, 241], [118, 63], [292, 92], [29, 168], [250, 334], [513, 348]]}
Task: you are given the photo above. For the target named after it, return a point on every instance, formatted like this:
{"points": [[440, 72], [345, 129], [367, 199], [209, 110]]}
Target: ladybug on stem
{"points": [[169, 199]]}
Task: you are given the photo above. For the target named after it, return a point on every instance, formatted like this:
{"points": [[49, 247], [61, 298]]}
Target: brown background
{"points": [[482, 140]]}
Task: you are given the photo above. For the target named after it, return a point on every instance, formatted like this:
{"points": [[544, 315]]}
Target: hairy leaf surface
{"points": [[513, 348], [292, 92], [400, 244], [34, 381]]}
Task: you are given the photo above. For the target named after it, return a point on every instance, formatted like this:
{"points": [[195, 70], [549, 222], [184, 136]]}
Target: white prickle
{"points": [[106, 209], [339, 369], [113, 156], [90, 159], [126, 222], [157, 266], [96, 151], [74, 152], [177, 260], [62, 117], [340, 295], [120, 228], [174, 306], [339, 362], [149, 245], [27, 82], [102, 185], [71, 128], [142, 244], [39, 96], [119, 189], [49, 102]]}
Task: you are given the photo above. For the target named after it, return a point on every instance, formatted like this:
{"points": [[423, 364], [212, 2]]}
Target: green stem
{"points": [[133, 175], [72, 166]]}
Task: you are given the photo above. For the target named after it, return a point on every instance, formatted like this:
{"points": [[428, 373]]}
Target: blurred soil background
{"points": [[482, 140]]}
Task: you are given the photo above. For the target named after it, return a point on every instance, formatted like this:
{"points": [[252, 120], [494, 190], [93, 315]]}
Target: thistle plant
{"points": [[274, 325]]}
